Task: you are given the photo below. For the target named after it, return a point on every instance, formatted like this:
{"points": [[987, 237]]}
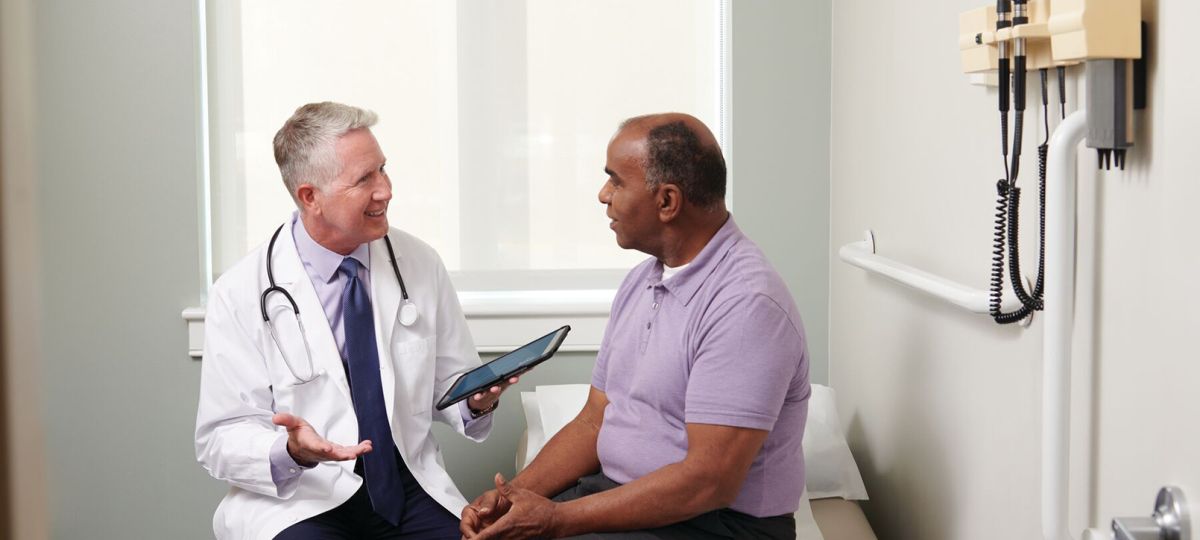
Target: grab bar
{"points": [[862, 254]]}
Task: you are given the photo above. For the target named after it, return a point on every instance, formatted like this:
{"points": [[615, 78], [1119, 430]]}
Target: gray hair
{"points": [[304, 146], [676, 155]]}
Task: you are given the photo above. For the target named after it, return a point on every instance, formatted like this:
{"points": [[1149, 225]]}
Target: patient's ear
{"points": [[669, 199]]}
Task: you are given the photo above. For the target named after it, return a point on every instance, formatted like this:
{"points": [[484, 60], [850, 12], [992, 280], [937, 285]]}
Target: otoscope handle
{"points": [[1003, 82], [1018, 89]]}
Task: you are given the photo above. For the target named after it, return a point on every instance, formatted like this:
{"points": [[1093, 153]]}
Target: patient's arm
{"points": [[569, 455], [708, 478]]}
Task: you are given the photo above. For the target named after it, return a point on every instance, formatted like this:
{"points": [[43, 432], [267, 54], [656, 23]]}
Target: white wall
{"points": [[110, 232], [780, 149], [943, 407], [118, 229]]}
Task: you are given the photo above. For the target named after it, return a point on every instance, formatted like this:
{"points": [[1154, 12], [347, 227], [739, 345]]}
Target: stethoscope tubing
{"points": [[408, 311]]}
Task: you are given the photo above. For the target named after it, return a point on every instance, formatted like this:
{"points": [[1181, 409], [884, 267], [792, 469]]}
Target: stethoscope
{"points": [[408, 310]]}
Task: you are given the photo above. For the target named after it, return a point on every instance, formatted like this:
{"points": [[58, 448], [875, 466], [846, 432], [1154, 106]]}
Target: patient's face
{"points": [[631, 207]]}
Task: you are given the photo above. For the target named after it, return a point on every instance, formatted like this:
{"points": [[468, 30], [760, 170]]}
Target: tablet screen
{"points": [[509, 363]]}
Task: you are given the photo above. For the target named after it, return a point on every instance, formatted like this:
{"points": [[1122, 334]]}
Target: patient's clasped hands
{"points": [[509, 512]]}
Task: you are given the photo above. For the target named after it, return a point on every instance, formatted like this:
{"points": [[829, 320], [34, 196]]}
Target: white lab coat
{"points": [[245, 381]]}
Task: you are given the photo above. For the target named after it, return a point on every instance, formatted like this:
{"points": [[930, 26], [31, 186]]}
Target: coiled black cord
{"points": [[996, 285], [1006, 230], [1041, 274], [1031, 301]]}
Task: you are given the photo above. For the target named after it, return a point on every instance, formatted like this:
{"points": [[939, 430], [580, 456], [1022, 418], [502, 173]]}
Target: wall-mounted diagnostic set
{"points": [[1015, 37]]}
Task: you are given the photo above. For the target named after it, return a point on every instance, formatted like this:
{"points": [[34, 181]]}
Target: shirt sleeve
{"points": [[483, 424], [456, 354], [747, 356], [284, 469], [234, 431]]}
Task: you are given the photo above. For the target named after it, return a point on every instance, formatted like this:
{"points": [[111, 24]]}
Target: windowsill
{"points": [[501, 321]]}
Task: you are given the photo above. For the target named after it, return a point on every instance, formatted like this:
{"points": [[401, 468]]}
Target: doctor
{"points": [[325, 351]]}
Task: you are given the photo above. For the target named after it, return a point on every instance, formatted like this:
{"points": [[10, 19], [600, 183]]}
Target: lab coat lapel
{"points": [[290, 274], [385, 301]]}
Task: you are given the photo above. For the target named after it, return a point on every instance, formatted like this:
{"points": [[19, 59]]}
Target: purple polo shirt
{"points": [[719, 343]]}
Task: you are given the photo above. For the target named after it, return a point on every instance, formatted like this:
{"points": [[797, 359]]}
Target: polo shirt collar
{"points": [[687, 282], [322, 262]]}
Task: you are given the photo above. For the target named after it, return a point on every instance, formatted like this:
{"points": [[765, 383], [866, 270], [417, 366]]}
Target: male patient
{"points": [[693, 425]]}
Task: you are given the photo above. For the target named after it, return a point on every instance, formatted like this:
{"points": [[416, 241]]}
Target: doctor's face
{"points": [[352, 208], [632, 208]]}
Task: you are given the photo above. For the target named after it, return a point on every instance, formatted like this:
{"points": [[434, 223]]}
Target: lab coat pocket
{"points": [[303, 399], [413, 362], [321, 404]]}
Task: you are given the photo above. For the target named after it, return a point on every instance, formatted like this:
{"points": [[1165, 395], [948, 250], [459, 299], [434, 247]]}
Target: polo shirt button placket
{"points": [[658, 292]]}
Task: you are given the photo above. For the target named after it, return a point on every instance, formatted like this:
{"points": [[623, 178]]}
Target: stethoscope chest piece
{"points": [[408, 313]]}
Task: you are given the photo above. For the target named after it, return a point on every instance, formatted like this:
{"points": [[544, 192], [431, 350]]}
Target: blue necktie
{"points": [[380, 469]]}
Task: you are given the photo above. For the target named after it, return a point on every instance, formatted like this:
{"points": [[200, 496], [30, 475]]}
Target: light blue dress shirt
{"points": [[322, 267]]}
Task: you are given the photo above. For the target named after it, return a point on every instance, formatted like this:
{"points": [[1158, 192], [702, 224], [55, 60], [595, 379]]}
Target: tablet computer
{"points": [[500, 369]]}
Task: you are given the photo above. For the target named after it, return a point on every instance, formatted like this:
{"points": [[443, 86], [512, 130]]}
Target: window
{"points": [[494, 117]]}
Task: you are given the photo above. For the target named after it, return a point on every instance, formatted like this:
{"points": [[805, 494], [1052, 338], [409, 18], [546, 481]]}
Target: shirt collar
{"points": [[321, 262], [687, 282]]}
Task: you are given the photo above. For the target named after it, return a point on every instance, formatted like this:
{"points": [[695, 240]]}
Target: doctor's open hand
{"points": [[308, 448]]}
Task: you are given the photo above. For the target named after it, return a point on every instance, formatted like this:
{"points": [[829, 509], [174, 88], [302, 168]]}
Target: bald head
{"points": [[648, 122], [680, 150]]}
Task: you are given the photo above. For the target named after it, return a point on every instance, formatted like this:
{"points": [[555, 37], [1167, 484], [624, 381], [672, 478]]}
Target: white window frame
{"points": [[499, 320]]}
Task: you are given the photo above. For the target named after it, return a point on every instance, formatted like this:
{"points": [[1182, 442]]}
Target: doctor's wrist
{"points": [[292, 451], [478, 413]]}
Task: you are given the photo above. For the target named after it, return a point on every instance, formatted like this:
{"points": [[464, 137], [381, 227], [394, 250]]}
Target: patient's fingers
{"points": [[496, 530], [501, 485], [470, 522]]}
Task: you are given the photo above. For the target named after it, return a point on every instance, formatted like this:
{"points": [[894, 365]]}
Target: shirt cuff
{"points": [[284, 469], [464, 410]]}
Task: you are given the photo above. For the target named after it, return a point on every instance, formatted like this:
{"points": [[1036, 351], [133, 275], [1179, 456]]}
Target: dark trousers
{"points": [[718, 524], [424, 518]]}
